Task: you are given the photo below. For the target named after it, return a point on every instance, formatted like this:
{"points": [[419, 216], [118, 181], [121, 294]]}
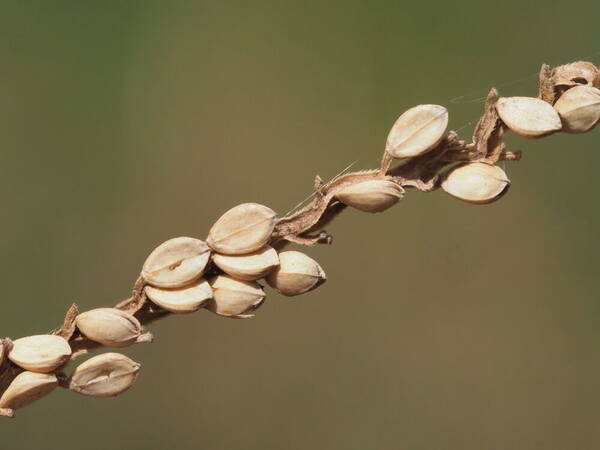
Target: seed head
{"points": [[26, 388], [528, 117], [235, 298], [371, 196], [579, 109], [297, 273], [176, 262], [242, 230], [42, 353], [105, 375], [477, 183], [182, 300], [252, 266], [111, 327]]}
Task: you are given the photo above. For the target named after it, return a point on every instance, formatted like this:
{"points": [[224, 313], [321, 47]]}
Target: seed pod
{"points": [[579, 109], [371, 196], [42, 353], [105, 375], [528, 117], [181, 300], [111, 327], [477, 183], [252, 266], [243, 229], [417, 131], [176, 262], [573, 74], [26, 388], [235, 298], [296, 274]]}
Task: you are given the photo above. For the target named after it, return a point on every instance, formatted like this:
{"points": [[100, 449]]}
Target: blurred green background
{"points": [[443, 325]]}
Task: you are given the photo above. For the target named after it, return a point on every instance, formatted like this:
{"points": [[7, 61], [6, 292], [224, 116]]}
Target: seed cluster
{"points": [[246, 244]]}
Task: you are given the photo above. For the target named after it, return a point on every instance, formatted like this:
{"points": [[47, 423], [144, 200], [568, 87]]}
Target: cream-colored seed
{"points": [[26, 388], [176, 262], [297, 273], [105, 375], [235, 298], [528, 117], [111, 327], [243, 229], [182, 300], [371, 196], [576, 73], [252, 266], [417, 131], [579, 109], [477, 183], [41, 353]]}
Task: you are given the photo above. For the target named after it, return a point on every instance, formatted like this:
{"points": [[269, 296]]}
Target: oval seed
{"points": [[242, 230], [104, 375], [371, 196], [42, 353], [417, 131], [297, 273], [26, 388], [111, 327], [477, 183], [528, 117], [252, 266], [579, 109], [176, 262], [235, 298], [181, 300]]}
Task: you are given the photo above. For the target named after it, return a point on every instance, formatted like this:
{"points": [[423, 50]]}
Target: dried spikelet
{"points": [[181, 300], [235, 298], [111, 327], [371, 196], [477, 183], [417, 131], [297, 273], [176, 262], [242, 230], [105, 375], [26, 388], [528, 117], [252, 266], [42, 353], [579, 109]]}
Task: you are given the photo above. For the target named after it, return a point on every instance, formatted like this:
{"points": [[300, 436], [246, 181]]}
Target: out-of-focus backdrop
{"points": [[443, 325]]}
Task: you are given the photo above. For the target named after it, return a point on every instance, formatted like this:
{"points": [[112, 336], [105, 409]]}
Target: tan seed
{"points": [[528, 117], [176, 262], [243, 229], [235, 298], [417, 131], [41, 353], [182, 300], [576, 73], [111, 327], [252, 266], [371, 196], [26, 388], [579, 109], [297, 273], [105, 375], [477, 183]]}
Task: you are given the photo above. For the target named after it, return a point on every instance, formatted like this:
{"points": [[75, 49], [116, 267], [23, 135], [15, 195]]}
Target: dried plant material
{"points": [[477, 183], [105, 375], [42, 353], [371, 196], [253, 266], [528, 117], [574, 74], [182, 300], [243, 229], [26, 388], [297, 273], [174, 270], [176, 262], [579, 109], [235, 298], [111, 327], [417, 131]]}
